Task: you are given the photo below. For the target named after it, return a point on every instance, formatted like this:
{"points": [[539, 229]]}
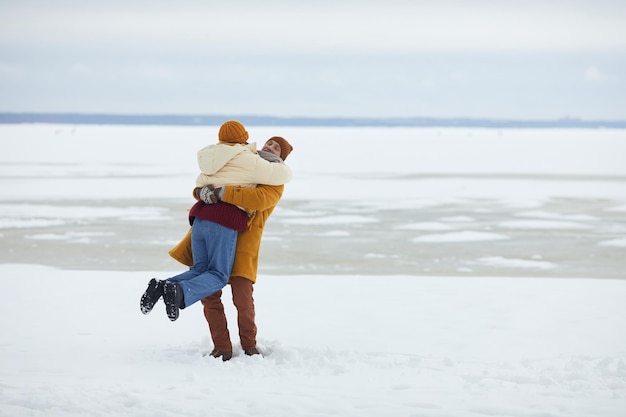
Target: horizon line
{"points": [[165, 119]]}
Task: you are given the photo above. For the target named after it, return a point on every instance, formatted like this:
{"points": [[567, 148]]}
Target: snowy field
{"points": [[406, 272]]}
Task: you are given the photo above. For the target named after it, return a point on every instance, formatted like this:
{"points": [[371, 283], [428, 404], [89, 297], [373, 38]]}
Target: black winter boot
{"points": [[151, 296], [173, 298]]}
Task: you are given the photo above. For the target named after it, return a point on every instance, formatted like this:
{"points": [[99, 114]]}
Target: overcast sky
{"points": [[442, 58]]}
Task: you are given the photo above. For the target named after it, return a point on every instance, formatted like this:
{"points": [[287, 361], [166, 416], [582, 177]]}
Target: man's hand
{"points": [[209, 194]]}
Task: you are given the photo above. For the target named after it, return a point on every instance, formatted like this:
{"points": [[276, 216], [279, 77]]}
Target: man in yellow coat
{"points": [[262, 200]]}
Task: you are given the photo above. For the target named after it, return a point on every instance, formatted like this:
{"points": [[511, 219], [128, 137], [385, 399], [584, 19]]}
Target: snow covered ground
{"points": [[407, 272]]}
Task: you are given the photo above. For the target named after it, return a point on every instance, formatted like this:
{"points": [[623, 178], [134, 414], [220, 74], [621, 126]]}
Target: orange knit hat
{"points": [[285, 147], [233, 132]]}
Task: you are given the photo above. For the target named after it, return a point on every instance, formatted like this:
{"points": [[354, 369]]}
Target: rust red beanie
{"points": [[285, 147]]}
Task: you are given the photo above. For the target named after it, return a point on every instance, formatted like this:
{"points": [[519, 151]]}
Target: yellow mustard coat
{"points": [[262, 199]]}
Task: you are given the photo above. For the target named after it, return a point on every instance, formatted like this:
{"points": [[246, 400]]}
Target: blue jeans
{"points": [[213, 248]]}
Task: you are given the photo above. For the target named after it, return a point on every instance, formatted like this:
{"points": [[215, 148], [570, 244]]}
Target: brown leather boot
{"points": [[252, 351], [226, 356]]}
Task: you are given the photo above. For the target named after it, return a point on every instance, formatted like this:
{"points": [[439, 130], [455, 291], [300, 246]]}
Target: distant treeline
{"points": [[216, 120]]}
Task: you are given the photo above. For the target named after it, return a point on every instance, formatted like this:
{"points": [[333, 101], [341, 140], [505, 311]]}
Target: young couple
{"points": [[237, 190]]}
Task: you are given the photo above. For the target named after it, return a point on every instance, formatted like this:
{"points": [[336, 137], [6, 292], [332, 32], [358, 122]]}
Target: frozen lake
{"points": [[416, 201]]}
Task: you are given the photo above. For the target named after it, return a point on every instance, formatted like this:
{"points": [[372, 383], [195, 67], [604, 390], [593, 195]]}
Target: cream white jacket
{"points": [[238, 164]]}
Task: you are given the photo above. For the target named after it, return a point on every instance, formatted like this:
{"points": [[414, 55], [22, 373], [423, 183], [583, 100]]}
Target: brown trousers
{"points": [[241, 289]]}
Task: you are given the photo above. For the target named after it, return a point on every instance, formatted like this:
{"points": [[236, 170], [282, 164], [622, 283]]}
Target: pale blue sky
{"points": [[495, 59]]}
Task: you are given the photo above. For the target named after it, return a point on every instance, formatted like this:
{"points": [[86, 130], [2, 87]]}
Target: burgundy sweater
{"points": [[221, 213]]}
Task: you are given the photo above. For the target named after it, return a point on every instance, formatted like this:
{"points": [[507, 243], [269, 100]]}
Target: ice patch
{"points": [[374, 256], [500, 262], [78, 237], [28, 223], [542, 224], [617, 208], [272, 238], [26, 212], [432, 226], [458, 219], [556, 216], [339, 219], [620, 242], [334, 233], [462, 236], [285, 212]]}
